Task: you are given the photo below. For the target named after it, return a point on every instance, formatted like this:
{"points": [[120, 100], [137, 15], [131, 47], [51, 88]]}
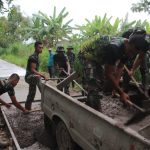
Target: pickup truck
{"points": [[73, 125]]}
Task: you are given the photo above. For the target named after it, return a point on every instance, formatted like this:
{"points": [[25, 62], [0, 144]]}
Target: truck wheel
{"points": [[50, 129], [47, 124], [63, 138]]}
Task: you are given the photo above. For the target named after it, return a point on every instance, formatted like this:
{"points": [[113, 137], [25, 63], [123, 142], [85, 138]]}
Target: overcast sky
{"points": [[81, 9]]}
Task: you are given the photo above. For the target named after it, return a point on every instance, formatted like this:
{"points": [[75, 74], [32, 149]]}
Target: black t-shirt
{"points": [[6, 87], [60, 60], [71, 58], [114, 51], [32, 59]]}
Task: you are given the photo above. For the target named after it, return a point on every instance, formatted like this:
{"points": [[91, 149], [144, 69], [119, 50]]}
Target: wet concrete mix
{"points": [[27, 127]]}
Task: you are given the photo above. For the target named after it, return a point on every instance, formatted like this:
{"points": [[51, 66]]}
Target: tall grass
{"points": [[17, 54]]}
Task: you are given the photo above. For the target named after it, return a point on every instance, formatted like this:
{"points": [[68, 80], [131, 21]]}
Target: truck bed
{"points": [[109, 122]]}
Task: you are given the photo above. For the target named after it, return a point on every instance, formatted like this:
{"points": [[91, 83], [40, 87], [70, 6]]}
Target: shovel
{"points": [[139, 116], [142, 112], [146, 101]]}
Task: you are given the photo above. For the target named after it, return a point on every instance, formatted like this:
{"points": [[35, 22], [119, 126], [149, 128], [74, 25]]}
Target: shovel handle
{"points": [[133, 79], [34, 110], [135, 106], [136, 83], [80, 87]]}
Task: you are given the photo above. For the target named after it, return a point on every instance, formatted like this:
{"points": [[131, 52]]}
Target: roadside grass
{"points": [[20, 61]]}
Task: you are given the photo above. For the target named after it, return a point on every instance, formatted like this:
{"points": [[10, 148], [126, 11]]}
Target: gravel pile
{"points": [[25, 127], [113, 108]]}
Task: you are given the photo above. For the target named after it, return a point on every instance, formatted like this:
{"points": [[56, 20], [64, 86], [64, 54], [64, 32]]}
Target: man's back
{"points": [[60, 61], [32, 59], [6, 87]]}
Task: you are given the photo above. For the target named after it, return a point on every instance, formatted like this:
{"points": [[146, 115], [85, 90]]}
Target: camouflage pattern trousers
{"points": [[33, 81]]}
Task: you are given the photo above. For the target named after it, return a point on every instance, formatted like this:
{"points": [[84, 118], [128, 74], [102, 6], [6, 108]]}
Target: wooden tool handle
{"points": [[34, 110], [135, 106], [133, 79]]}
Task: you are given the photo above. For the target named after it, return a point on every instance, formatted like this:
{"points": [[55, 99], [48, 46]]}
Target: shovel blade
{"points": [[136, 118]]}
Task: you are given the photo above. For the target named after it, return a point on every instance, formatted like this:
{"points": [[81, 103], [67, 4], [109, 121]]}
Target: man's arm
{"points": [[4, 103], [33, 69], [15, 102], [110, 73]]}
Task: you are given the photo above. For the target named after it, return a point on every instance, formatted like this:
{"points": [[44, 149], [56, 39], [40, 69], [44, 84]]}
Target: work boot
{"points": [[3, 144]]}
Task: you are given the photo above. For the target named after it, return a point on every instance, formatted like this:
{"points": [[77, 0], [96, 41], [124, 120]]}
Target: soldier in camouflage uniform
{"points": [[7, 85], [33, 75], [91, 82], [143, 66], [71, 58], [61, 64], [114, 55]]}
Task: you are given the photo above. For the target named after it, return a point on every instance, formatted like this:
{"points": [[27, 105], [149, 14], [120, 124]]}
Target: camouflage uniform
{"points": [[92, 83], [60, 61], [31, 79], [129, 63], [71, 58], [6, 87]]}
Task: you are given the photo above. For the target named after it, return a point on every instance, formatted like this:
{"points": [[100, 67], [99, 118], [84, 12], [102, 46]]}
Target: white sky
{"points": [[81, 9]]}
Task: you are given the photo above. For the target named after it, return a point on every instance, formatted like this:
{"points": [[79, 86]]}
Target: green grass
{"points": [[20, 61]]}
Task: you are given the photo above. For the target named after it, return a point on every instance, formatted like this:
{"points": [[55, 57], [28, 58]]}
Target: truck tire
{"points": [[47, 124], [63, 138], [50, 129]]}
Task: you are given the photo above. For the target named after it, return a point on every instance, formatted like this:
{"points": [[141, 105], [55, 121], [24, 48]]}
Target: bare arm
{"points": [[33, 69], [15, 102], [4, 103], [111, 74]]}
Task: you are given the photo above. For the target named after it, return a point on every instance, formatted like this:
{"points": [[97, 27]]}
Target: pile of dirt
{"points": [[113, 108]]}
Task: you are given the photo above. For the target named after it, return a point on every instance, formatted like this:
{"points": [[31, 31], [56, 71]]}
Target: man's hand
{"points": [[25, 111], [38, 76], [124, 97], [130, 72], [45, 78]]}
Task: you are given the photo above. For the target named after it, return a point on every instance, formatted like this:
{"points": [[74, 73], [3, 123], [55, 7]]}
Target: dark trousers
{"points": [[33, 81], [66, 88], [51, 71]]}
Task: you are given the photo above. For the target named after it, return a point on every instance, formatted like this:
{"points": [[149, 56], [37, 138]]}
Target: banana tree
{"points": [[50, 29]]}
